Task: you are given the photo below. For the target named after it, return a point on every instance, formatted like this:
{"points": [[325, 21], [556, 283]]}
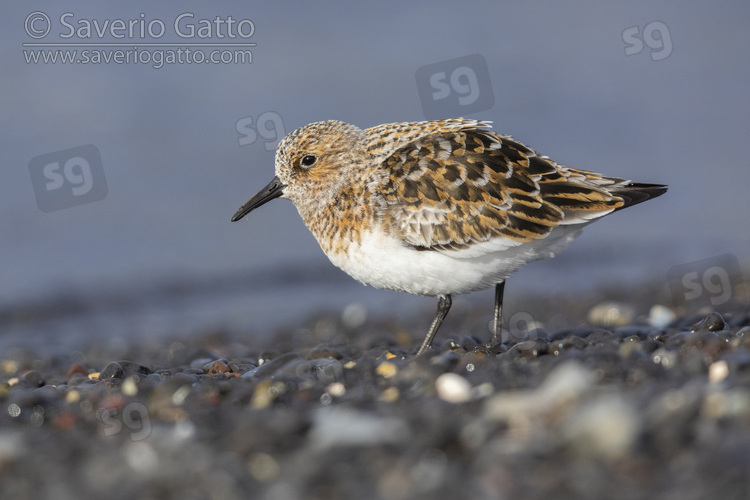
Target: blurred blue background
{"points": [[654, 92]]}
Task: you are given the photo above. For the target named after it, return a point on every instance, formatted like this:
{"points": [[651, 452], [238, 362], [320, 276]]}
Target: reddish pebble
{"points": [[218, 367], [76, 369]]}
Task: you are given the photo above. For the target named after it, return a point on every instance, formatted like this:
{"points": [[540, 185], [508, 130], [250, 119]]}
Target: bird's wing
{"points": [[453, 188]]}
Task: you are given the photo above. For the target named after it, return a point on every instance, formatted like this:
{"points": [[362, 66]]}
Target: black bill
{"points": [[274, 189]]}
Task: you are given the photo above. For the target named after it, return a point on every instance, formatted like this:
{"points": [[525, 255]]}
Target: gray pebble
{"points": [[712, 322], [112, 370]]}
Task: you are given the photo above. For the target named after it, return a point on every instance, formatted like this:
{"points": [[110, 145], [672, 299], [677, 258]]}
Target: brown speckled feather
{"points": [[451, 187]]}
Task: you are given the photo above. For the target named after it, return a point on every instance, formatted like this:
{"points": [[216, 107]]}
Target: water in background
{"points": [[157, 255]]}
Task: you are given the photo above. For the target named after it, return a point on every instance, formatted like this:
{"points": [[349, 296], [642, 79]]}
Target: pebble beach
{"points": [[152, 349], [647, 404]]}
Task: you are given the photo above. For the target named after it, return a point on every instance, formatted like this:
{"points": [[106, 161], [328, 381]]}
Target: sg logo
{"points": [[709, 282], [656, 37], [520, 326], [134, 416], [68, 178], [271, 135], [463, 81], [455, 87]]}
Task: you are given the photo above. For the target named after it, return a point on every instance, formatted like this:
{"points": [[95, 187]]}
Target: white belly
{"points": [[385, 262]]}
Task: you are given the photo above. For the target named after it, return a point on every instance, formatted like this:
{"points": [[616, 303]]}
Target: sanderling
{"points": [[436, 208]]}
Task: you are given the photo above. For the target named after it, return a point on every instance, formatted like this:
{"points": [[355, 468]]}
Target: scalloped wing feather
{"points": [[450, 188]]}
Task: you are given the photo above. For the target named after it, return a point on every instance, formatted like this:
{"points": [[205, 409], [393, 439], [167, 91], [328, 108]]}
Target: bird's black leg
{"points": [[497, 325], [444, 305]]}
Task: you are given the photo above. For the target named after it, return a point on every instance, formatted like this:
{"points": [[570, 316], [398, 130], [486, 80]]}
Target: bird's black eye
{"points": [[308, 161]]}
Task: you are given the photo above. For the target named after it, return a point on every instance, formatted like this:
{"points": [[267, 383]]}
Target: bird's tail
{"points": [[635, 193]]}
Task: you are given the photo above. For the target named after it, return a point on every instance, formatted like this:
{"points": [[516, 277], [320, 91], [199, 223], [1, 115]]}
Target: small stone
{"points": [[263, 396], [453, 388], [606, 426], [271, 366], [141, 456], [389, 395], [180, 395], [76, 369], [386, 369], [611, 314], [354, 316], [660, 316], [482, 390], [217, 367], [447, 360], [630, 345], [129, 386], [263, 467], [469, 342], [77, 379], [449, 345], [634, 332], [72, 396], [743, 337], [718, 371], [650, 345], [336, 426], [336, 389], [200, 363], [8, 366], [323, 369], [532, 348], [134, 368], [556, 347], [604, 338], [713, 322], [566, 383], [32, 379], [538, 333], [12, 448], [112, 370], [49, 392], [665, 358], [730, 404]]}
